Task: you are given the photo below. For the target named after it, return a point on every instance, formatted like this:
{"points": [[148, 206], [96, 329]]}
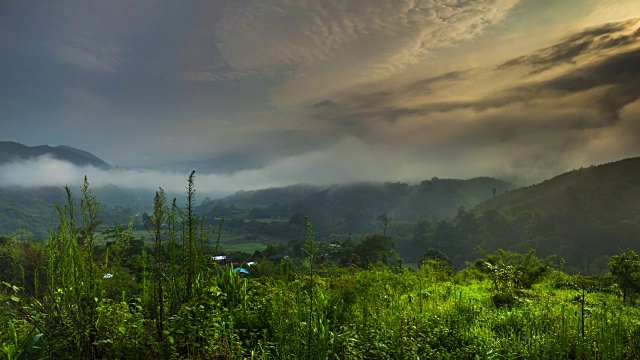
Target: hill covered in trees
{"points": [[355, 208], [604, 192], [583, 216], [32, 211]]}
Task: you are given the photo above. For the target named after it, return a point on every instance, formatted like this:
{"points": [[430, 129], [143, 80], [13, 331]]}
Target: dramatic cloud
{"points": [[592, 42], [611, 84], [276, 34], [96, 35], [323, 46], [532, 122], [273, 92], [91, 56]]}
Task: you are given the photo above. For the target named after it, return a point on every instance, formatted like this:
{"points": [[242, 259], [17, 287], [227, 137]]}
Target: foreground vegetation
{"points": [[70, 298]]}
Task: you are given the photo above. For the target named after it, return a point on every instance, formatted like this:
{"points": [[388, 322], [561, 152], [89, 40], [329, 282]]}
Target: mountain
{"points": [[12, 151], [583, 216], [34, 208]]}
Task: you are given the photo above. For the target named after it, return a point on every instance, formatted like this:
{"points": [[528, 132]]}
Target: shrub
{"points": [[516, 270]]}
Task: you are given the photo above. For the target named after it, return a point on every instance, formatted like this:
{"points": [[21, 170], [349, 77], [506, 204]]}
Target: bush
{"points": [[501, 299], [516, 270]]}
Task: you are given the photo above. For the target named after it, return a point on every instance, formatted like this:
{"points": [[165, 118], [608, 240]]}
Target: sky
{"points": [[261, 93]]}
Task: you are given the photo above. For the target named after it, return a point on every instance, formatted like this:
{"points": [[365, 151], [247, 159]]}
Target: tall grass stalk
{"points": [[310, 249], [157, 222], [190, 225]]}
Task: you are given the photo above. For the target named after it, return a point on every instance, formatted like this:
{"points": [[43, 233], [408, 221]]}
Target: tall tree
{"points": [[384, 220], [373, 249], [625, 268]]}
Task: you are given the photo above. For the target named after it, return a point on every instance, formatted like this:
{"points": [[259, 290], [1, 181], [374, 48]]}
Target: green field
{"points": [[229, 241], [241, 243]]}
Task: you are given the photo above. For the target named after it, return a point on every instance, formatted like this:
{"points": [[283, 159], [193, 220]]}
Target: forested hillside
{"points": [[608, 191], [583, 216], [355, 208], [32, 211]]}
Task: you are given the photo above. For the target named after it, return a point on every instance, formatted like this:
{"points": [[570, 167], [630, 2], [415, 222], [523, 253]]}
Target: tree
{"points": [[384, 219], [625, 269], [275, 249], [422, 237], [438, 257], [374, 249], [145, 222]]}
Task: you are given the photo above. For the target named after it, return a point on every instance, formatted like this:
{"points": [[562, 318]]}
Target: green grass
{"points": [[229, 241], [370, 314], [270, 220], [242, 243]]}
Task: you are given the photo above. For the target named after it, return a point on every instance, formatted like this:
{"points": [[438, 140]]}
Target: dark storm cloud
{"points": [[426, 86], [596, 39], [359, 108], [618, 76], [323, 104]]}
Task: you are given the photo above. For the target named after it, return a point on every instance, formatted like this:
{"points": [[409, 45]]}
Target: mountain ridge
{"points": [[11, 151]]}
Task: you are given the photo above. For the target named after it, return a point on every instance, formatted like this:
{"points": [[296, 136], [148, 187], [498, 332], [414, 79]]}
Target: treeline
{"points": [[354, 208], [31, 212], [585, 243], [583, 238], [583, 216]]}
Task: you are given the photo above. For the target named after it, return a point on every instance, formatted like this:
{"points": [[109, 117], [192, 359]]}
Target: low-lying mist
{"points": [[346, 161]]}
